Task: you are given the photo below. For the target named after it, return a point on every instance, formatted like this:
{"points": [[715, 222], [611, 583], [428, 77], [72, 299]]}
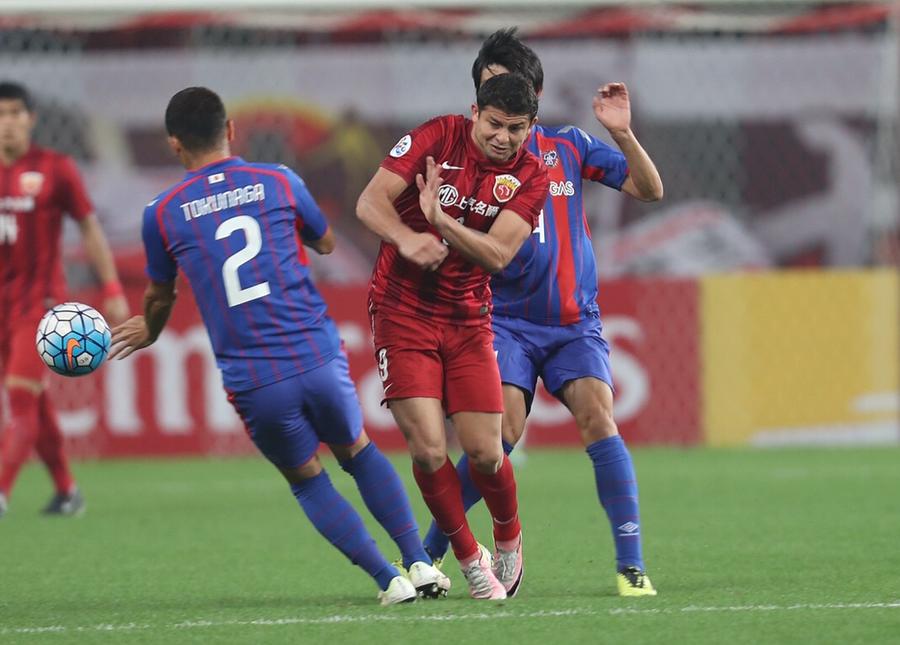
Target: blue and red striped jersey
{"points": [[234, 230], [553, 278]]}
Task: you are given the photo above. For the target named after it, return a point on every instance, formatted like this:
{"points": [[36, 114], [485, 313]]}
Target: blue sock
{"points": [[341, 525], [435, 541], [386, 499], [618, 492]]}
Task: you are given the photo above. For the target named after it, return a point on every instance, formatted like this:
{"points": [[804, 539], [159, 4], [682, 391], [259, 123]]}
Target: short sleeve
{"points": [[601, 162], [72, 194], [529, 199], [161, 266], [311, 221], [407, 158]]}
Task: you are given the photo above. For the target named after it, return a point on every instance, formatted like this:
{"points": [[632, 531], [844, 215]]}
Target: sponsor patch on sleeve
{"points": [[402, 147]]}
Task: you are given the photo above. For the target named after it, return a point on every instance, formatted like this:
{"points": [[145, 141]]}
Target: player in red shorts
{"points": [[37, 187], [470, 182]]}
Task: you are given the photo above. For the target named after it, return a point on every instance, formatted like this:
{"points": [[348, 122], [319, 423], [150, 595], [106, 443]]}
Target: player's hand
{"points": [[612, 107], [429, 186], [423, 249], [129, 337], [116, 309]]}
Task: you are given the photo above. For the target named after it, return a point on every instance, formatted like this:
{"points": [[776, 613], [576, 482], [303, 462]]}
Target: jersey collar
{"points": [[220, 163]]}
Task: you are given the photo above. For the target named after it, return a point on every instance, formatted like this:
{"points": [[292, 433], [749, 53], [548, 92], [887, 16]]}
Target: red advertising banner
{"points": [[168, 399]]}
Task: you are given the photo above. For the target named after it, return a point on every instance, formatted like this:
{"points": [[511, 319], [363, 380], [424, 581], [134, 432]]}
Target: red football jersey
{"points": [[474, 191], [35, 192]]}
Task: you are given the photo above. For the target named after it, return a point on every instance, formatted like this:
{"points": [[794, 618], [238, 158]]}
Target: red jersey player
{"points": [[37, 187], [453, 202]]}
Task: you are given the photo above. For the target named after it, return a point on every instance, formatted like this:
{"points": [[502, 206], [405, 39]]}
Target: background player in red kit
{"points": [[470, 182], [37, 187]]}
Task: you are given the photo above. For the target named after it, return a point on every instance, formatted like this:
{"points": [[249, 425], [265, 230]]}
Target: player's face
{"points": [[15, 126], [500, 135]]}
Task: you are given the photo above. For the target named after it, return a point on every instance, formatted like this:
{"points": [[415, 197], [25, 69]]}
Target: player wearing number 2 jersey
{"points": [[237, 231], [546, 319]]}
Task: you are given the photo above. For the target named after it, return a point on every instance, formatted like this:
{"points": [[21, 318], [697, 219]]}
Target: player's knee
{"points": [[485, 459], [596, 423], [300, 473], [428, 458], [512, 429]]}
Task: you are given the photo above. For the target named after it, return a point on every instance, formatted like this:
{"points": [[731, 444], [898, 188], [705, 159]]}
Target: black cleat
{"points": [[69, 505]]}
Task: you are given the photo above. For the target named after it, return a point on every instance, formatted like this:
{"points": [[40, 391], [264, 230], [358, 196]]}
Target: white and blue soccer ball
{"points": [[73, 339]]}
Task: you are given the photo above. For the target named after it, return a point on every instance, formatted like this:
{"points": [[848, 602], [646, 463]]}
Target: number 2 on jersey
{"points": [[236, 294]]}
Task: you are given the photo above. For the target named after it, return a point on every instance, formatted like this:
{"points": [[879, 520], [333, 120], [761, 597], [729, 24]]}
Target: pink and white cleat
{"points": [[483, 584], [509, 567]]}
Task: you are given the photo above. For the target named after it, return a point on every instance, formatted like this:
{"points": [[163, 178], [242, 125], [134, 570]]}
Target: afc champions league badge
{"points": [[30, 183], [505, 187]]}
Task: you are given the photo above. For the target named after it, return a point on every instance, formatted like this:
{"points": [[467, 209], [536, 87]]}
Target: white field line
{"points": [[342, 619]]}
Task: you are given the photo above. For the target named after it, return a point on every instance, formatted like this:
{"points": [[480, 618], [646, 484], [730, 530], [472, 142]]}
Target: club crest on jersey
{"points": [[550, 158], [402, 147], [505, 187], [30, 183]]}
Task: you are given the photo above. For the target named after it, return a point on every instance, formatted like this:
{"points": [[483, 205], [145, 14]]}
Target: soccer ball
{"points": [[73, 339]]}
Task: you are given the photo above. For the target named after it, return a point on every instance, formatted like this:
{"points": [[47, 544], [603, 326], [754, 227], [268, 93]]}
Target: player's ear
{"points": [[474, 111], [229, 130], [174, 145]]}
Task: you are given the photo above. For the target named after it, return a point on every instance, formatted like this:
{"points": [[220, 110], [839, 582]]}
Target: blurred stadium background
{"points": [[756, 304]]}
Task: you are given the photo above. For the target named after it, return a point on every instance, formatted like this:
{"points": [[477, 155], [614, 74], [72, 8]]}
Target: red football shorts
{"points": [[18, 355], [421, 358]]}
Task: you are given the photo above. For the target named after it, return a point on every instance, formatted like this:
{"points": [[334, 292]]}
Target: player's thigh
{"points": [[517, 366], [277, 424], [590, 401], [515, 412], [22, 366], [331, 404], [421, 420], [407, 356], [471, 374]]}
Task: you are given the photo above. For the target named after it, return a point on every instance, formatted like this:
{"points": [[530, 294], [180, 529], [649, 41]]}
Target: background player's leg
{"points": [[50, 447], [422, 422], [21, 431], [591, 402]]}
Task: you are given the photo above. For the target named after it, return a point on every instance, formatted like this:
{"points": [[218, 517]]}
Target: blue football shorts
{"points": [[287, 419], [557, 353]]}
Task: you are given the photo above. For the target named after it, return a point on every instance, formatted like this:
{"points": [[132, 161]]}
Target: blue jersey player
{"points": [[237, 230], [546, 319]]}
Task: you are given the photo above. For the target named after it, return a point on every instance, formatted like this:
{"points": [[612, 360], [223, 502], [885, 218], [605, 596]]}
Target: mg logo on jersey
{"points": [[550, 158], [447, 195], [562, 188], [30, 183], [505, 187]]}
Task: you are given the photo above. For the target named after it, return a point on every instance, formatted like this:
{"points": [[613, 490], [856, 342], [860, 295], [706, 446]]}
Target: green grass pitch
{"points": [[745, 546]]}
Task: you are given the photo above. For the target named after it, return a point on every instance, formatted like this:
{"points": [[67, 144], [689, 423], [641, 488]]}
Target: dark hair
{"points": [[511, 93], [10, 91], [503, 48], [196, 117]]}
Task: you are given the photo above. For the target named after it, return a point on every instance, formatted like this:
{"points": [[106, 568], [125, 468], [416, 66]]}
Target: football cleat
{"points": [[483, 584], [400, 590], [428, 580], [71, 504], [510, 568], [4, 505], [633, 582]]}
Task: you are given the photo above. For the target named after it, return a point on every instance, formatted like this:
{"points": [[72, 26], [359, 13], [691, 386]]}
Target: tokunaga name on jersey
{"points": [[235, 229], [553, 278], [475, 191]]}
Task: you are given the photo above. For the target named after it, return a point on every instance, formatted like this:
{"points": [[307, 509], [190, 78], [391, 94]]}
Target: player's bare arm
{"points": [[493, 250], [612, 107], [375, 209], [324, 245], [115, 306], [142, 331]]}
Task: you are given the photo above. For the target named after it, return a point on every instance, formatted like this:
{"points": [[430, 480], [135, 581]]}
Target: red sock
{"points": [[499, 492], [442, 493], [50, 447], [19, 437]]}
